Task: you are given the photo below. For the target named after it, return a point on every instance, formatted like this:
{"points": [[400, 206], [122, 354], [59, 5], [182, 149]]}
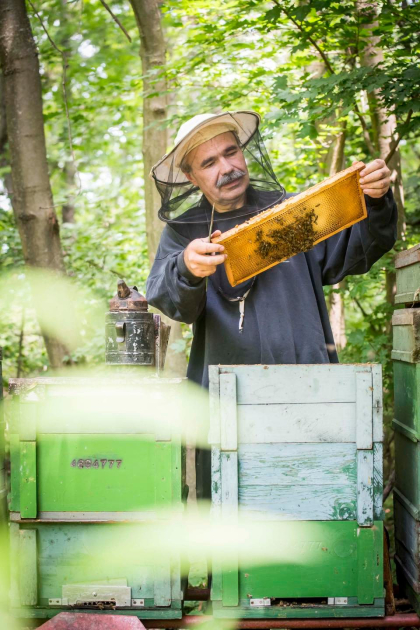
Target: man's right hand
{"points": [[202, 257]]}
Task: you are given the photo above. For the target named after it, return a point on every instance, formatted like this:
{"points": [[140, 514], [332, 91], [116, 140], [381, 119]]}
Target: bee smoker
{"points": [[133, 335]]}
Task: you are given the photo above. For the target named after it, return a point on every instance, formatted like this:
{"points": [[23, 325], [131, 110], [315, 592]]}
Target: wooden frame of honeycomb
{"points": [[294, 226]]}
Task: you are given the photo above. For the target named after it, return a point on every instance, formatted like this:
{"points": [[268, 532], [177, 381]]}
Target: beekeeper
{"points": [[279, 316]]}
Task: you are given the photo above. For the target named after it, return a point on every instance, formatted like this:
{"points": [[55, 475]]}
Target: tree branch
{"points": [[328, 65], [64, 87], [366, 135], [116, 20], [398, 139], [103, 268], [310, 39]]}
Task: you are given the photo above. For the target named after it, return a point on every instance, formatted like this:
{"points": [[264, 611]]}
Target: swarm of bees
{"points": [[287, 240]]}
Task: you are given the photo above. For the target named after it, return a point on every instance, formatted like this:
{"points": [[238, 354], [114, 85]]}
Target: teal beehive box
{"points": [[95, 464], [297, 453], [406, 423]]}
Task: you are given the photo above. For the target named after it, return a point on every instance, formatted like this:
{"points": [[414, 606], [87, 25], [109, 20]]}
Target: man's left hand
{"points": [[375, 179]]}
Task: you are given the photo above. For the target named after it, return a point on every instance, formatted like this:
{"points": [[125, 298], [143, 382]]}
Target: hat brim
{"points": [[165, 172]]}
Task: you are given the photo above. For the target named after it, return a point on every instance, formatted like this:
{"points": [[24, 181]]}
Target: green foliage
{"points": [[299, 65]]}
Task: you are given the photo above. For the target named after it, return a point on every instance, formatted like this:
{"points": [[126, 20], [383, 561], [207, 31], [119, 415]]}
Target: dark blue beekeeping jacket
{"points": [[286, 317]]}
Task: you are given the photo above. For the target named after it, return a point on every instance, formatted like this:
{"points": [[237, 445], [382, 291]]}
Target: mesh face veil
{"points": [[183, 202]]}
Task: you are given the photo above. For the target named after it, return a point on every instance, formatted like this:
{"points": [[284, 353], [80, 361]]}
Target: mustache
{"points": [[230, 177]]}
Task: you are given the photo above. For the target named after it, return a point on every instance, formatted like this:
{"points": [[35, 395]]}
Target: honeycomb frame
{"points": [[294, 226]]}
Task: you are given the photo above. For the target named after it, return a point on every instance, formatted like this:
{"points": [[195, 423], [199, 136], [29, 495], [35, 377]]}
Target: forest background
{"points": [[108, 84]]}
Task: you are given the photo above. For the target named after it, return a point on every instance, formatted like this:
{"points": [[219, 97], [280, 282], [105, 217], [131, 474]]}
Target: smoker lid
{"points": [[128, 299]]}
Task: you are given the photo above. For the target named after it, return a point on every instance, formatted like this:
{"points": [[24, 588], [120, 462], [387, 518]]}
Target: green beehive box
{"points": [[407, 265], [406, 355], [92, 463], [79, 453], [297, 452], [77, 566]]}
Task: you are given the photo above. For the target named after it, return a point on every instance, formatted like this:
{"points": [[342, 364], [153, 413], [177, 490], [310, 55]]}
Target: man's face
{"points": [[219, 169]]}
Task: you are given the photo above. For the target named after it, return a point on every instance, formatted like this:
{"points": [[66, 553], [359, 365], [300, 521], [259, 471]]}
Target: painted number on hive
{"points": [[96, 463]]}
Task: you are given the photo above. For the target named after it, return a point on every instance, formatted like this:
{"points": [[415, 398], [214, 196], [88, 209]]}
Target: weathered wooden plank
{"points": [[28, 572], [28, 411], [216, 480], [367, 573], [295, 503], [230, 576], [228, 418], [407, 458], [408, 285], [407, 530], [163, 474], [289, 383], [365, 488], [14, 445], [378, 513], [407, 394], [306, 422], [214, 393], [14, 564], [304, 559], [408, 257], [162, 582], [309, 465], [364, 426], [28, 480], [406, 335], [377, 401], [229, 468]]}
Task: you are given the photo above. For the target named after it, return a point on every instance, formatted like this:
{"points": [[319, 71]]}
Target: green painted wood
{"points": [[28, 480], [408, 284], [407, 542], [365, 488], [67, 407], [28, 413], [369, 566], [14, 446], [228, 418], [230, 581], [312, 559], [163, 474], [406, 335], [406, 587], [28, 569], [297, 481], [407, 457], [407, 394], [120, 475], [285, 610]]}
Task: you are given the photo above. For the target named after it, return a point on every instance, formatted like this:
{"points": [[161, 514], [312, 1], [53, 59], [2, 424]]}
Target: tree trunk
{"points": [[32, 198], [70, 171], [155, 112], [383, 122], [336, 302]]}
